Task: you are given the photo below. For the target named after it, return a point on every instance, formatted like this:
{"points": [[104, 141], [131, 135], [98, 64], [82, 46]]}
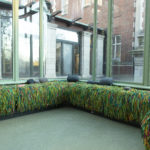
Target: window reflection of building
{"points": [[64, 6], [6, 43], [116, 51], [91, 53], [29, 41]]}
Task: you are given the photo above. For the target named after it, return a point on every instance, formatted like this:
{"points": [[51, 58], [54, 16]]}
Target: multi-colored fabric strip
{"points": [[8, 96], [146, 130], [39, 96]]}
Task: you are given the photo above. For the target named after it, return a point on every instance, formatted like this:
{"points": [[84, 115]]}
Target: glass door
{"points": [[58, 58], [67, 58]]}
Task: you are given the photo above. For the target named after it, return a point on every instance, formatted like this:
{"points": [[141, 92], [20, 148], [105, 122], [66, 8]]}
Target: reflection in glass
{"points": [[67, 53], [77, 16], [6, 59], [76, 58], [67, 59], [128, 35], [28, 39], [58, 59]]}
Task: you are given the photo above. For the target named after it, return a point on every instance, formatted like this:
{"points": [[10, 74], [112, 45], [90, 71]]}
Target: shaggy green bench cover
{"points": [[39, 96], [146, 130], [113, 102], [8, 96]]}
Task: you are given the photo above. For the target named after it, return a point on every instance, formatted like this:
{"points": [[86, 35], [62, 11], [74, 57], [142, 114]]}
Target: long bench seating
{"points": [[132, 106]]}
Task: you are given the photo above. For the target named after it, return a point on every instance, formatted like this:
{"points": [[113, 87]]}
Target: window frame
{"points": [[114, 56]]}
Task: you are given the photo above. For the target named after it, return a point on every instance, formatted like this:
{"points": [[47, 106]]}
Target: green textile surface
{"points": [[7, 100], [146, 130], [114, 102], [129, 106], [86, 96], [39, 96]]}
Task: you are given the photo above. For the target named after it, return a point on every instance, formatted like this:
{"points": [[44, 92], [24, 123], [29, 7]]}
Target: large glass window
{"points": [[102, 24], [28, 39], [78, 53], [128, 40], [62, 49], [6, 53]]}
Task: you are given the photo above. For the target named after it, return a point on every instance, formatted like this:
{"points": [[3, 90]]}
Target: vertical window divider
{"points": [[109, 40], [146, 70], [94, 42], [15, 8], [41, 42]]}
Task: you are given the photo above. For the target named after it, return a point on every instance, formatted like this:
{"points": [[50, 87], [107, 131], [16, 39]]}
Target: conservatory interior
{"points": [[74, 74]]}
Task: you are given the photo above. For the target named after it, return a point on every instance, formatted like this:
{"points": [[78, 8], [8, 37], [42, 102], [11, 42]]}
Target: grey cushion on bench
{"points": [[73, 78], [106, 81], [30, 81], [43, 80]]}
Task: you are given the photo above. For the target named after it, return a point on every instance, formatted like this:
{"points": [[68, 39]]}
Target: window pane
{"points": [[67, 53], [76, 58], [58, 58], [113, 52], [6, 57], [128, 28], [113, 40], [118, 52], [64, 6], [67, 59], [28, 39], [62, 50], [102, 24], [68, 38], [118, 39]]}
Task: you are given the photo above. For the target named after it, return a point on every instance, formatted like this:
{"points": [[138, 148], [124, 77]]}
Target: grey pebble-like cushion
{"points": [[43, 80], [73, 78], [106, 81]]}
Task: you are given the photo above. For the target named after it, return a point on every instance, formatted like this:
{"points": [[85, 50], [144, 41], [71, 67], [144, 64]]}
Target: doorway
{"points": [[67, 58]]}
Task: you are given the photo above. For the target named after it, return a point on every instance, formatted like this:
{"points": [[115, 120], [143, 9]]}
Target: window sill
{"points": [[62, 78], [9, 82], [136, 86]]}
